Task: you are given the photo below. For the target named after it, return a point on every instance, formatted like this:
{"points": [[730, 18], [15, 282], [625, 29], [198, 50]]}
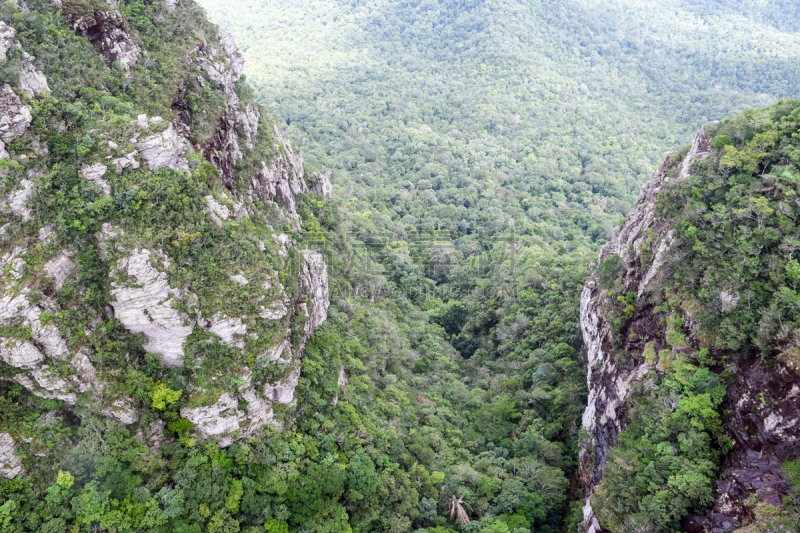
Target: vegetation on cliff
{"points": [[169, 359], [724, 301]]}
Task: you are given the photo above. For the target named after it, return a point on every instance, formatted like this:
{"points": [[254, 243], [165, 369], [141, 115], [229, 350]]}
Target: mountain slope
{"points": [[176, 357], [690, 323], [560, 110]]}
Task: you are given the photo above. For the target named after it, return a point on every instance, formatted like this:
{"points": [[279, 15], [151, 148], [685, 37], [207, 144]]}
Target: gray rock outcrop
{"points": [[44, 383], [31, 81], [16, 201], [15, 117], [146, 307], [20, 354], [314, 287], [126, 161], [282, 180], [166, 149], [321, 184], [220, 420], [610, 379], [231, 330], [227, 420], [121, 411], [60, 268], [235, 57], [108, 33], [10, 465], [279, 304], [95, 173], [763, 419]]}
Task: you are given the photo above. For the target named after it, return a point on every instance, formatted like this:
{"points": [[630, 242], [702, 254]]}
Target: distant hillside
{"points": [[563, 107]]}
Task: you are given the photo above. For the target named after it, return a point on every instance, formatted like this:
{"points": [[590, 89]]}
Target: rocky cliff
{"points": [[181, 225], [631, 349]]}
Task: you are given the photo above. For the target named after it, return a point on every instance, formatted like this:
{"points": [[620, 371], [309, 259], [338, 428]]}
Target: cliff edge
{"points": [[694, 389]]}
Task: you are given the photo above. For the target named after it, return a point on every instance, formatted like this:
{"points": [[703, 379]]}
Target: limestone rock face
{"points": [[45, 384], [236, 58], [283, 391], [126, 161], [220, 420], [282, 180], [230, 329], [16, 201], [85, 373], [247, 121], [45, 342], [10, 466], [95, 173], [146, 307], [31, 80], [166, 149], [223, 67], [314, 286], [227, 419], [218, 211], [15, 117], [20, 354], [60, 269], [609, 380], [19, 310], [322, 184], [108, 33], [121, 411], [141, 296], [279, 306], [761, 443]]}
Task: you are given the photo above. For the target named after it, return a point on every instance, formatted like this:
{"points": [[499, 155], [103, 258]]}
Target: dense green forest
{"points": [[480, 154], [483, 151]]}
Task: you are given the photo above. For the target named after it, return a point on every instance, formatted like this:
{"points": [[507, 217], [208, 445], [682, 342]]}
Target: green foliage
{"points": [[741, 212], [465, 223], [65, 480], [276, 526], [666, 460], [162, 396]]}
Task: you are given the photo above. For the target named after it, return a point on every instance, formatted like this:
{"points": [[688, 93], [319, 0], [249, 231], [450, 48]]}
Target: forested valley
{"points": [[333, 283]]}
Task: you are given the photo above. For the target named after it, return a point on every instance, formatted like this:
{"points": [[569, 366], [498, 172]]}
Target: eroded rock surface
{"points": [[15, 117], [122, 411], [314, 286], [322, 184], [166, 149], [16, 201], [282, 180], [60, 268], [230, 329], [95, 173], [141, 296], [145, 306], [31, 81], [10, 466], [108, 33], [606, 414], [220, 420]]}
